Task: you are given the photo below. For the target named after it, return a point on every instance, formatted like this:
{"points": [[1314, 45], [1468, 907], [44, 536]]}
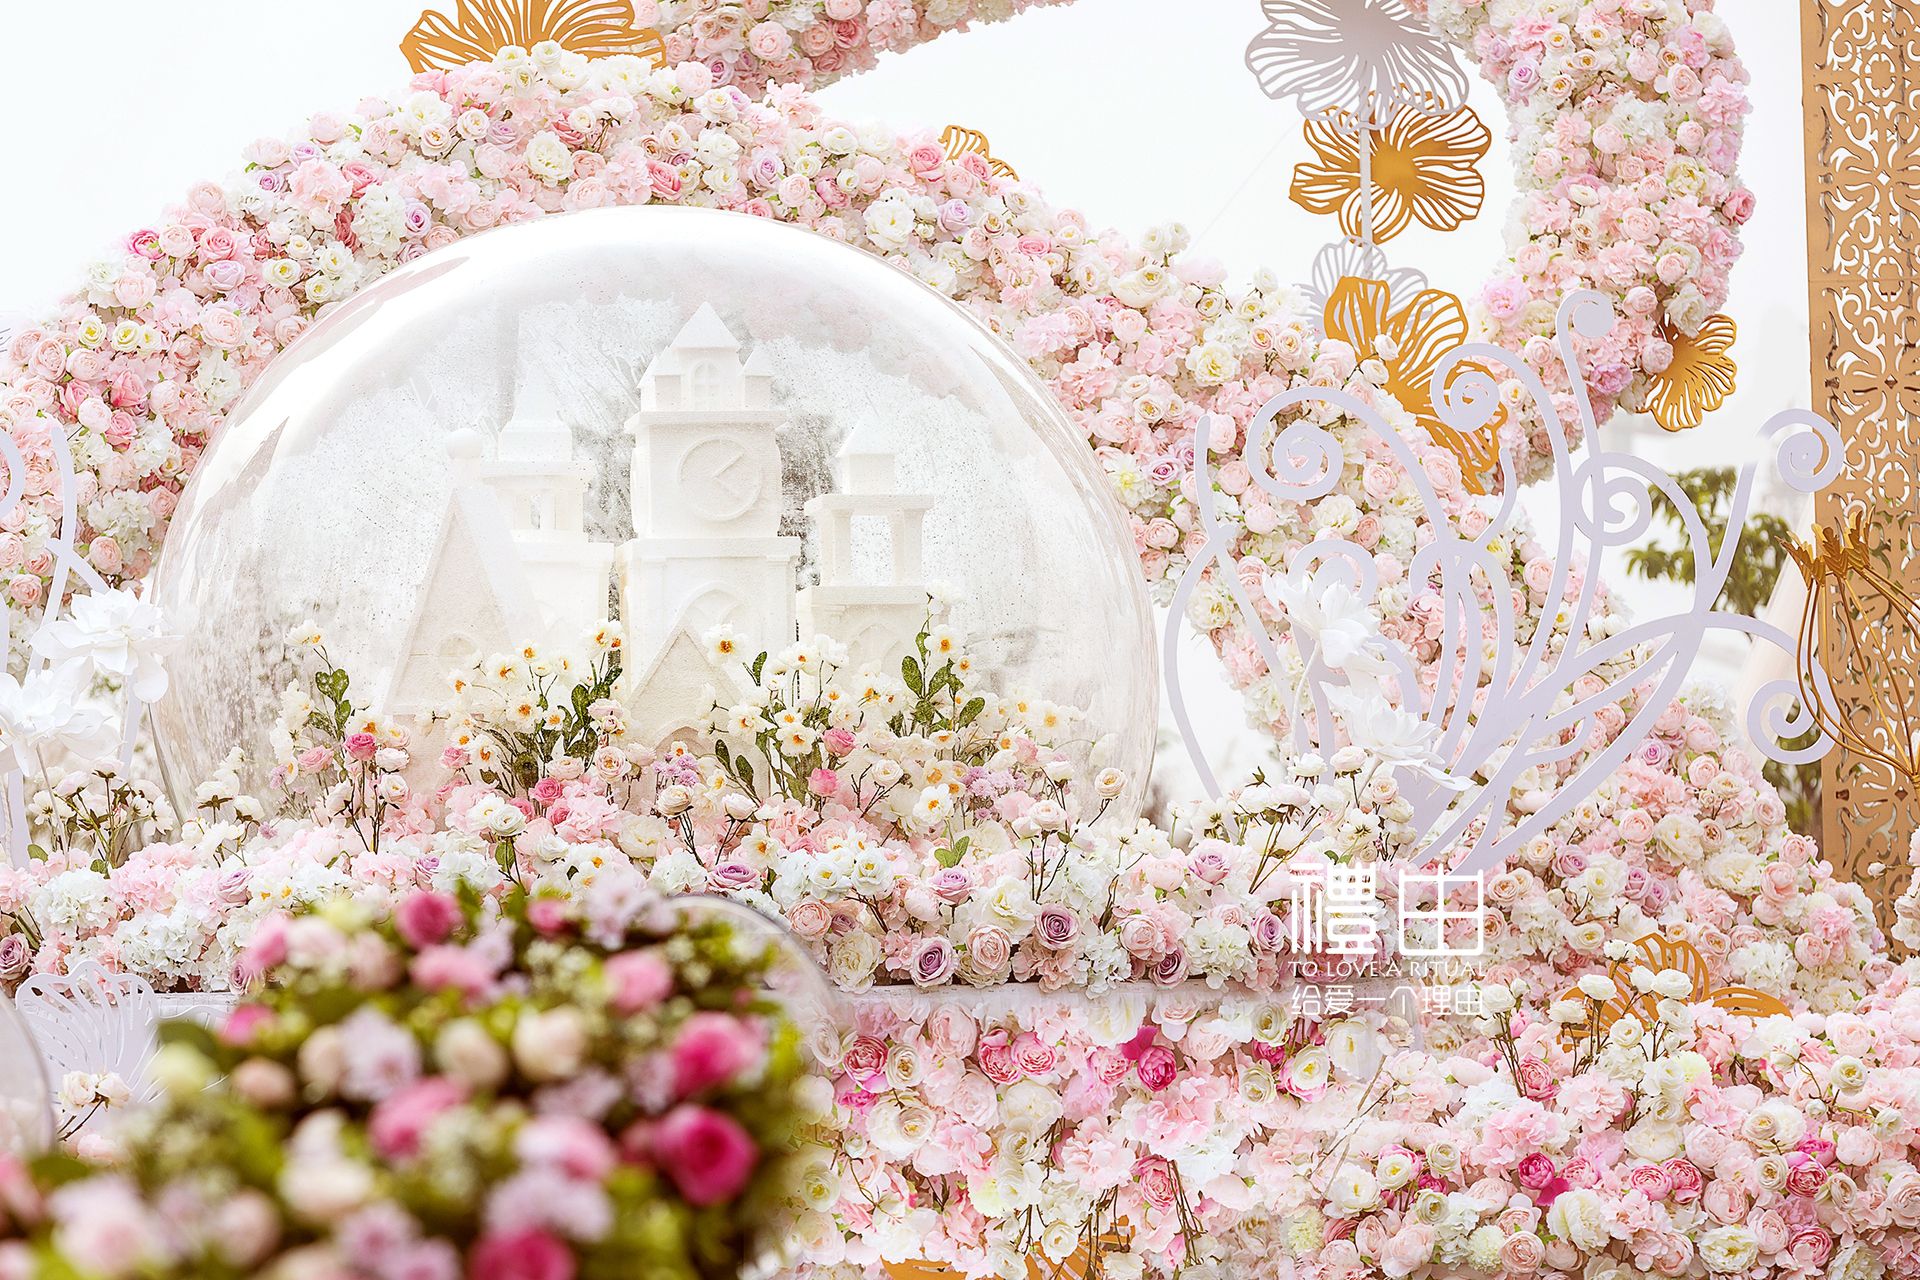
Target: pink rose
{"points": [[1140, 937], [1537, 1079], [809, 918], [865, 1058], [1651, 1179], [712, 1048], [1408, 1249], [770, 42], [951, 1031], [1157, 1068], [401, 1118], [1684, 1179], [1522, 1253], [1034, 1056], [996, 1058], [707, 1154], [1535, 1170], [426, 919], [1156, 1180], [637, 981], [361, 746], [989, 950], [531, 1254], [951, 885], [1810, 1247]]}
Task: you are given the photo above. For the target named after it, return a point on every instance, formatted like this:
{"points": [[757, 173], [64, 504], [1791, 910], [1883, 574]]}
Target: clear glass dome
{"points": [[686, 416]]}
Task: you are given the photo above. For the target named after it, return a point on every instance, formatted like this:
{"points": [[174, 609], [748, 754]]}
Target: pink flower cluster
{"points": [[752, 43], [140, 365], [411, 1113], [1626, 128]]}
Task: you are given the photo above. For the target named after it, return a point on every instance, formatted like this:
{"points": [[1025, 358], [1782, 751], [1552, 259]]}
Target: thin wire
{"points": [[1214, 221]]}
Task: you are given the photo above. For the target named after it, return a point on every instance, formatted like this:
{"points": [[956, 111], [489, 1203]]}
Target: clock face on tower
{"points": [[721, 477]]}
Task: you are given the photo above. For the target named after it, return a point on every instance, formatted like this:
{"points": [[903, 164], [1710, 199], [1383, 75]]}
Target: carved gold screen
{"points": [[1862, 102]]}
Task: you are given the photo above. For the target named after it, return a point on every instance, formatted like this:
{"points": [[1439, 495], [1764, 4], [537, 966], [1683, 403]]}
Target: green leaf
{"points": [[333, 683], [970, 712], [743, 770], [722, 754], [580, 701], [951, 857], [910, 672], [758, 663]]}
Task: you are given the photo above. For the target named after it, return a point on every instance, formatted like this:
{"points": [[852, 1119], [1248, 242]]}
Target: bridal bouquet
{"points": [[502, 1090]]}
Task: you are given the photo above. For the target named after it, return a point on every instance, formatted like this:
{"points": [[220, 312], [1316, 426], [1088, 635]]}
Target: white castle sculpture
{"points": [[513, 560]]}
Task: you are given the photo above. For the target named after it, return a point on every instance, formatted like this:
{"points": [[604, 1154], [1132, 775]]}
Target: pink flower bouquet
{"points": [[466, 1087]]}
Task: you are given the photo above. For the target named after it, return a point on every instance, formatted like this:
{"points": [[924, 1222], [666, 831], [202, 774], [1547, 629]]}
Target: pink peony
{"points": [[521, 1255], [426, 919], [398, 1121], [712, 1048], [637, 981], [707, 1154]]}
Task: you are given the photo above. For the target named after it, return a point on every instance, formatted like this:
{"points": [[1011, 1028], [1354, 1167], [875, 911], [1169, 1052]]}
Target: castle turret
{"points": [[543, 491], [876, 619], [706, 498]]}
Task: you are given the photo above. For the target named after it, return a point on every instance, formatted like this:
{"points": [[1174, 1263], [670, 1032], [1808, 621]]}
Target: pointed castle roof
{"points": [[705, 332]]}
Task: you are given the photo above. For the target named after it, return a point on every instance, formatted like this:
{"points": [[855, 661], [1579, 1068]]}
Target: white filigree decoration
{"points": [[92, 1019], [1349, 61], [1343, 258], [114, 632], [1500, 710]]}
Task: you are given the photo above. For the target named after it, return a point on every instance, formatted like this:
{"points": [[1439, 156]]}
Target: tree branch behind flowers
{"points": [[1756, 567]]}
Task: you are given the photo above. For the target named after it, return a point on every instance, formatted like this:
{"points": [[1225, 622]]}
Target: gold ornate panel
{"points": [[1861, 95]]}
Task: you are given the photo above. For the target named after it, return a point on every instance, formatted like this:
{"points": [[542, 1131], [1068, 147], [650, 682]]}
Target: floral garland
{"points": [[365, 1116], [140, 366], [903, 830]]}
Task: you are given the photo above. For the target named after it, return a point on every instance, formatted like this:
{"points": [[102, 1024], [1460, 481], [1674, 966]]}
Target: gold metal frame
{"points": [[1860, 94]]}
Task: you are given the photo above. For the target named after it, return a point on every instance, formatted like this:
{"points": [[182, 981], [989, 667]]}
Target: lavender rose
{"points": [[1057, 928], [934, 961]]}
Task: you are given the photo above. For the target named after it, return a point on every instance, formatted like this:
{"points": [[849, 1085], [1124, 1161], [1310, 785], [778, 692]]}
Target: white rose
{"points": [[1728, 1249], [853, 960], [323, 1191], [1352, 1191], [890, 223], [466, 1051], [548, 158], [550, 1045]]}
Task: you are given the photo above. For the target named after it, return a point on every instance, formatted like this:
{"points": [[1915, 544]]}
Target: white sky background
{"points": [[1107, 105]]}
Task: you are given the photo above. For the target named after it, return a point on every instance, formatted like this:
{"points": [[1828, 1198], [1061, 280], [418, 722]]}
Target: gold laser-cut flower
{"points": [[1422, 166], [961, 141], [480, 29], [1359, 311], [1082, 1262], [1700, 378], [1659, 953], [1862, 612]]}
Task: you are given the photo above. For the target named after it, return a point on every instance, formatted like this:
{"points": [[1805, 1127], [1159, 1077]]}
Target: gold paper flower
{"points": [[960, 141], [1699, 379], [1659, 954], [596, 28], [1432, 324], [1422, 166]]}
